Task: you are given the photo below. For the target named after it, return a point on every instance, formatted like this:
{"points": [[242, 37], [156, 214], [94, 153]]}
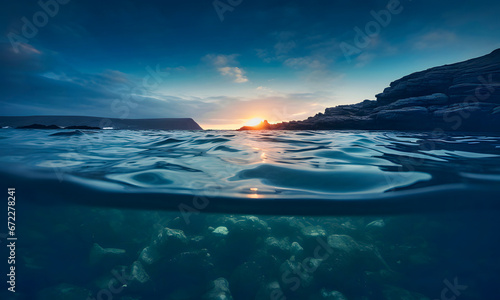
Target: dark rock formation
{"points": [[264, 125], [82, 127], [82, 122], [463, 96], [39, 126], [458, 80]]}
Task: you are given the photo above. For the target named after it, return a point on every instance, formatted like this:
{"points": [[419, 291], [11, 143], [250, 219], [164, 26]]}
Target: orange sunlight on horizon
{"points": [[232, 126], [253, 122]]}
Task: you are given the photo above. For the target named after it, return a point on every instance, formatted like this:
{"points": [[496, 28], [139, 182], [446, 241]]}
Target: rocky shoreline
{"points": [[464, 96], [40, 126], [84, 122]]}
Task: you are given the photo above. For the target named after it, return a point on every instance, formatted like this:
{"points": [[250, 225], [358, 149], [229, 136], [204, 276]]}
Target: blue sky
{"points": [[226, 63]]}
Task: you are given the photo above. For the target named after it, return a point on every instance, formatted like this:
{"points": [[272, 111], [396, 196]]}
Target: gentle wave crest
{"points": [[256, 165]]}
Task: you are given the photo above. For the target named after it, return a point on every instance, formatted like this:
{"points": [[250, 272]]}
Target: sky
{"points": [[225, 62]]}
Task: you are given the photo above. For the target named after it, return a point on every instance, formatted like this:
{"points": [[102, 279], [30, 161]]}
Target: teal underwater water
{"points": [[253, 215]]}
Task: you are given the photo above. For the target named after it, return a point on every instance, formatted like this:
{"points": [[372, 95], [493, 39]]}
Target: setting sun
{"points": [[254, 122]]}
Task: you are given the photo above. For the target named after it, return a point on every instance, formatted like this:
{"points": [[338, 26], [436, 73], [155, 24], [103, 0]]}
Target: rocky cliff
{"points": [[74, 122], [463, 96]]}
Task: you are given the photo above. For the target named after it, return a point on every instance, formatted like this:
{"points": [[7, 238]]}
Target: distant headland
{"points": [[464, 96], [82, 122]]}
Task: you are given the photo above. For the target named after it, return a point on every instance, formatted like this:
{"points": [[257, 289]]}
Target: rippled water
{"points": [[305, 215], [263, 165]]}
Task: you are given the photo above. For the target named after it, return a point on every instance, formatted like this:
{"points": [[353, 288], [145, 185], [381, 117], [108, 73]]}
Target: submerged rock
{"points": [[98, 255], [376, 224], [313, 232], [137, 273], [149, 255], [309, 236], [64, 291], [271, 291], [299, 274], [396, 293], [219, 290], [170, 240], [246, 233], [279, 247], [287, 226], [325, 294], [296, 249], [139, 279], [220, 231], [343, 243], [197, 262], [347, 260]]}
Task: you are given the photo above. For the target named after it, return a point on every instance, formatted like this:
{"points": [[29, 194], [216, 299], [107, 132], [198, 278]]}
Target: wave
{"points": [[286, 172]]}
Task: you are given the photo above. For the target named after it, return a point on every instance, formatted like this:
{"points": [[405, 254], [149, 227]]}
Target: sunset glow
{"points": [[254, 122]]}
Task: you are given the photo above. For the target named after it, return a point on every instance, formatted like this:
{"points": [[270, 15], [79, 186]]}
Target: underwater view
{"points": [[119, 214]]}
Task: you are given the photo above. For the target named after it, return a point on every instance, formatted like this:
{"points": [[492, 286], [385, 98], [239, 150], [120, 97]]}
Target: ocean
{"points": [[132, 215]]}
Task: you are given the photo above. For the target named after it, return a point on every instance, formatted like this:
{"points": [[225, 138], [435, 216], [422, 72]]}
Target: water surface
{"points": [[305, 215], [326, 168]]}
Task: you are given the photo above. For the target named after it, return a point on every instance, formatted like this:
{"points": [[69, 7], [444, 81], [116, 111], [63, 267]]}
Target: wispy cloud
{"points": [[434, 39], [221, 60], [364, 59], [305, 62], [236, 73], [226, 65]]}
